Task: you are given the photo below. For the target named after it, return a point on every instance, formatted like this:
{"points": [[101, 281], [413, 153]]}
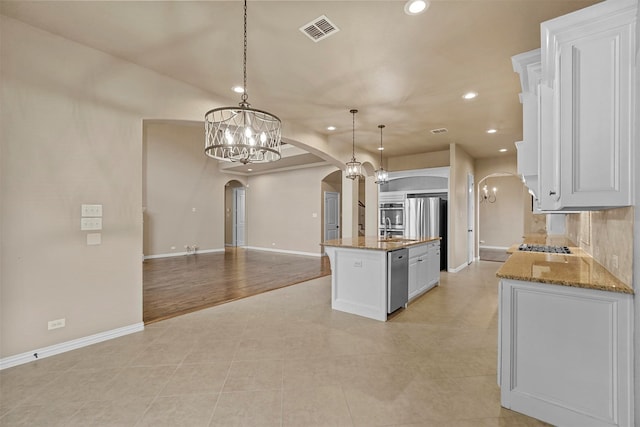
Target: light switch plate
{"points": [[92, 211], [87, 224]]}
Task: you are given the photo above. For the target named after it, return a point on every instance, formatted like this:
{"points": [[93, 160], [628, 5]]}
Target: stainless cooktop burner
{"points": [[544, 248]]}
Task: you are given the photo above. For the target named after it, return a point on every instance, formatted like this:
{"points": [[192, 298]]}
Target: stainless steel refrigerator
{"points": [[427, 217]]}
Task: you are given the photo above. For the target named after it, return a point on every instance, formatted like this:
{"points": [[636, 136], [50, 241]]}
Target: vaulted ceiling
{"points": [[407, 72]]}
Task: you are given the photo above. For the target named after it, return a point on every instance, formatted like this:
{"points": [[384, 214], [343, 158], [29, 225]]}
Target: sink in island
{"points": [[361, 272]]}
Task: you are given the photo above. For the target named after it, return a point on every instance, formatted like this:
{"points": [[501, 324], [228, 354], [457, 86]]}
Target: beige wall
{"points": [[502, 223], [461, 166], [280, 208], [183, 193], [605, 234], [419, 161], [72, 127]]}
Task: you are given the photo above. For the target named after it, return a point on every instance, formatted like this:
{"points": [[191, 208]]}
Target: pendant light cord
{"points": [[381, 127]]}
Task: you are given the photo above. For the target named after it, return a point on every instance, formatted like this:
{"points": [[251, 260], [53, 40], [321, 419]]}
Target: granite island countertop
{"points": [[578, 270], [377, 243]]}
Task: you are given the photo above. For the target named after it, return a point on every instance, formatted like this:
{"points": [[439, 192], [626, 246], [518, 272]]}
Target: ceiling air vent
{"points": [[438, 131], [319, 29]]}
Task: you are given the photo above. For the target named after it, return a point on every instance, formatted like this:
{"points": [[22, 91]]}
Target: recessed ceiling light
{"points": [[331, 128], [250, 169], [503, 150], [470, 95], [238, 89], [415, 7], [491, 131]]}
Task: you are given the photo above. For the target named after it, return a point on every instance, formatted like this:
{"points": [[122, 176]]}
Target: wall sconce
{"points": [[488, 196]]}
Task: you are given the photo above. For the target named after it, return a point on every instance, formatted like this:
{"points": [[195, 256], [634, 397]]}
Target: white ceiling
{"points": [[407, 72]]}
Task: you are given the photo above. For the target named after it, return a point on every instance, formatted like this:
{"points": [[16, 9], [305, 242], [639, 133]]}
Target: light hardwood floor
{"points": [[180, 285]]}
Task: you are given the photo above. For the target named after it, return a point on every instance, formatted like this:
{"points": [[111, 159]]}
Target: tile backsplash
{"points": [[608, 236]]}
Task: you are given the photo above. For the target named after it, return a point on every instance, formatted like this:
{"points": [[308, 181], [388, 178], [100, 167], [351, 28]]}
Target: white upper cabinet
{"points": [[587, 107], [529, 67]]}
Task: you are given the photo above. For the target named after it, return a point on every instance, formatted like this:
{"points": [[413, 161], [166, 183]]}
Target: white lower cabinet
{"points": [[566, 354], [424, 268]]}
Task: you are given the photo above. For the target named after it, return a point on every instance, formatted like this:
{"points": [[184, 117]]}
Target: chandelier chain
{"points": [[381, 127], [353, 135], [245, 96]]}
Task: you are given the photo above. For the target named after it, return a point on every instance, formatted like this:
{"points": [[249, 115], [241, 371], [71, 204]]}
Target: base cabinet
{"points": [[424, 268], [566, 354]]}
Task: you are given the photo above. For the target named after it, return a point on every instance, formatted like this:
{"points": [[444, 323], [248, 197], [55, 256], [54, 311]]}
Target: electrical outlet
{"points": [[614, 261], [55, 324]]}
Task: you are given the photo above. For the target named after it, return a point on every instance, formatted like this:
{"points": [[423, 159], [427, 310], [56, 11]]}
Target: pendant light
{"points": [[354, 168], [242, 134], [382, 176]]}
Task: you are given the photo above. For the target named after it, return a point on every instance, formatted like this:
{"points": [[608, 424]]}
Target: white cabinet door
{"points": [[433, 264], [528, 65], [413, 277], [566, 354], [548, 152], [588, 62], [418, 274]]}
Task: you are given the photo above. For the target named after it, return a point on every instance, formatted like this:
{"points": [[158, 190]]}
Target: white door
{"points": [[331, 215], [239, 216], [470, 218]]}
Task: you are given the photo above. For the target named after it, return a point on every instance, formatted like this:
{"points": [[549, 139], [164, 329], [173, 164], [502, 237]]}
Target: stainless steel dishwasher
{"points": [[397, 279]]}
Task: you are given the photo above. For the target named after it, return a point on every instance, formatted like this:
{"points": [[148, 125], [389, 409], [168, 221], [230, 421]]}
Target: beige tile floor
{"points": [[283, 358]]}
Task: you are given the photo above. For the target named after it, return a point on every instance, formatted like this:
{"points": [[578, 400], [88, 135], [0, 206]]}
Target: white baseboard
{"points": [[282, 251], [52, 350], [174, 254], [458, 269], [500, 248]]}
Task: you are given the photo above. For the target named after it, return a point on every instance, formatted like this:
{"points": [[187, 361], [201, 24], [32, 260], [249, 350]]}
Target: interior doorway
{"points": [[235, 214], [331, 215], [470, 219], [331, 192]]}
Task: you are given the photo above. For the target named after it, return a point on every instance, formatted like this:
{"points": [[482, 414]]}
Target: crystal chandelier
{"points": [[382, 176], [354, 168], [242, 134]]}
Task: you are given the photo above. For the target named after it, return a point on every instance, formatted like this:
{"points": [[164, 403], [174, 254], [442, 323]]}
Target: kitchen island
{"points": [[565, 343], [360, 272]]}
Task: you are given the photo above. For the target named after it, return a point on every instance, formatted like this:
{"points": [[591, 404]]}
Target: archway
{"points": [[502, 204]]}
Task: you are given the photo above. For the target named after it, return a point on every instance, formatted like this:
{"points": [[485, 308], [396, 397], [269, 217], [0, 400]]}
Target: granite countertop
{"points": [[377, 243], [577, 270]]}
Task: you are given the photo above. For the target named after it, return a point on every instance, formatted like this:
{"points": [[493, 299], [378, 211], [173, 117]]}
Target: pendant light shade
{"points": [[354, 168], [382, 176], [242, 134]]}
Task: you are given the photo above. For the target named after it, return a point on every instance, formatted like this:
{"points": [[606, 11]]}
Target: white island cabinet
{"points": [[359, 272], [424, 268]]}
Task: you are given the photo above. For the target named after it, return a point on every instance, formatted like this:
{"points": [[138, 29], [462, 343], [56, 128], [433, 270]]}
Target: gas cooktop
{"points": [[544, 248]]}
